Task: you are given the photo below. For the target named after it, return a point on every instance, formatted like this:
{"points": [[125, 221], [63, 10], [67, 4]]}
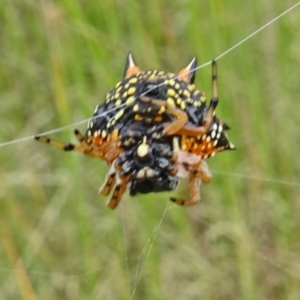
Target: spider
{"points": [[153, 129]]}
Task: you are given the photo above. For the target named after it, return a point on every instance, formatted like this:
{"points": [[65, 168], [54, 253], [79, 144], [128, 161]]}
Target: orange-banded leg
{"points": [[202, 171], [108, 151], [198, 171], [181, 116], [84, 147], [194, 192], [110, 181], [118, 192], [178, 126]]}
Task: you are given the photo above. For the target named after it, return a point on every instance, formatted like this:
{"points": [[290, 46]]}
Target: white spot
{"points": [[208, 139], [142, 150], [103, 134], [203, 137], [215, 126], [218, 136], [220, 129], [140, 174], [149, 173], [213, 134], [96, 109]]}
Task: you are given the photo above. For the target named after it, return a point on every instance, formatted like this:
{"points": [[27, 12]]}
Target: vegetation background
{"points": [[59, 241]]}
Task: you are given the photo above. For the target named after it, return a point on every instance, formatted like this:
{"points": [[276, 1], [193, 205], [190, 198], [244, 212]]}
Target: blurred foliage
{"points": [[59, 241]]}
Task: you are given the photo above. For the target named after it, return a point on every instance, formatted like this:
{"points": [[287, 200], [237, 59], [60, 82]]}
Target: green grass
{"points": [[59, 241]]}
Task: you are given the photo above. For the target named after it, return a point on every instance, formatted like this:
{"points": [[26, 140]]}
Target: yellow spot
{"points": [[177, 86], [136, 107], [178, 101], [116, 95], [119, 114], [170, 101], [191, 87], [186, 93], [126, 86], [153, 77], [133, 80], [175, 144], [197, 103], [131, 91], [118, 102], [182, 105], [171, 82], [162, 109], [115, 133], [203, 98], [124, 95], [183, 147], [118, 84], [171, 92], [130, 100], [138, 118]]}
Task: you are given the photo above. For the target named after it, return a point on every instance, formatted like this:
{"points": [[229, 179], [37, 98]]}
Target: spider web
{"points": [[49, 218]]}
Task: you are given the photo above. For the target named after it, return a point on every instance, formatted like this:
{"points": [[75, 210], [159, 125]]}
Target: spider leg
{"points": [[194, 192], [200, 130], [118, 192], [198, 171], [109, 183], [108, 151], [84, 147], [178, 127], [202, 171], [181, 117]]}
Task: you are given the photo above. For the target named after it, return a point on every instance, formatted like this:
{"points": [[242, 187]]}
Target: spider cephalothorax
{"points": [[153, 129]]}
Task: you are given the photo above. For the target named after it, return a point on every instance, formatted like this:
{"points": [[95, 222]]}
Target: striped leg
{"points": [[108, 151], [197, 172], [118, 192], [109, 182], [178, 126], [84, 147], [194, 192]]}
